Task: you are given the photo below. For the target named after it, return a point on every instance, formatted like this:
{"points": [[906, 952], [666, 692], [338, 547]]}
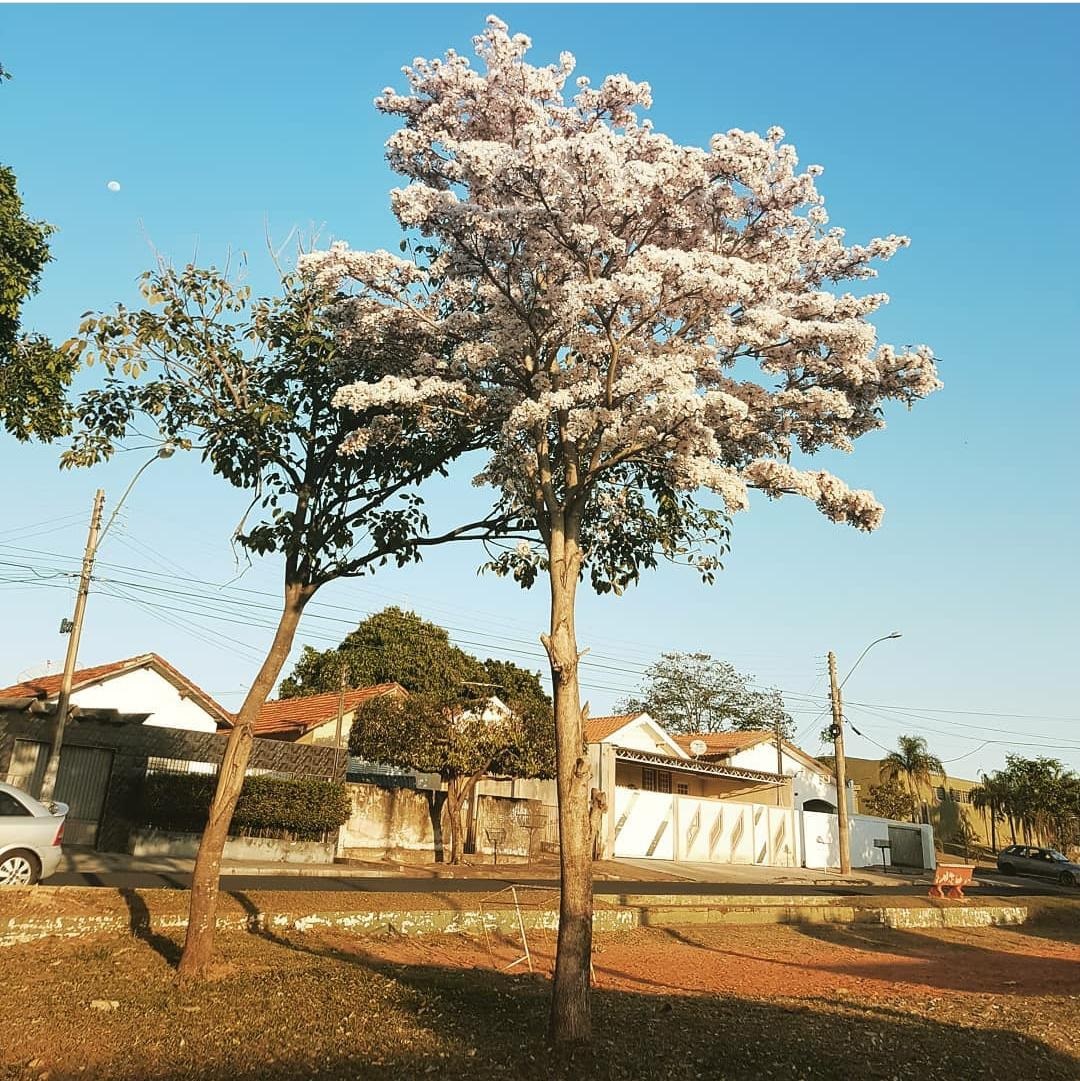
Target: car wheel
{"points": [[19, 869], [1066, 878], [1007, 869]]}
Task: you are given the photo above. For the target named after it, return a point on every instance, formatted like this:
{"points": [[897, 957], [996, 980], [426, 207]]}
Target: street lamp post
{"points": [[63, 699], [843, 831]]}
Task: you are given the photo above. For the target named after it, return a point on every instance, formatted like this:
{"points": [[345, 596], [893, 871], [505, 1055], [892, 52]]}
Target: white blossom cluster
{"points": [[597, 291]]}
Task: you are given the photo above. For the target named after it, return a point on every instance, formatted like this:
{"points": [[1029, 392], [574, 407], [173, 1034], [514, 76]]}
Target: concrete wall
{"points": [[150, 842], [403, 823], [821, 843], [143, 690], [137, 747]]}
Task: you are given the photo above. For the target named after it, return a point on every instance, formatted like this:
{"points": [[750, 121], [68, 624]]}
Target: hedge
{"points": [[299, 808]]}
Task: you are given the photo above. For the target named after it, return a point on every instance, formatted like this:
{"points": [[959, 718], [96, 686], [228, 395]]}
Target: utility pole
{"points": [[63, 701], [841, 769], [779, 763], [340, 716]]}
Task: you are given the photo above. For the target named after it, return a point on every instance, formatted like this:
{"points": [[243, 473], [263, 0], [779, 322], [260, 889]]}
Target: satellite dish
{"points": [[698, 747]]}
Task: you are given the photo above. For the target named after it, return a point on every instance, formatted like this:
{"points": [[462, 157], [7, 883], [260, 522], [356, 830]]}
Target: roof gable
{"points": [[610, 729], [48, 687], [298, 716]]}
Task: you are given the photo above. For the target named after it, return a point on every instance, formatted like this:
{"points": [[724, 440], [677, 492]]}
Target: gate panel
{"points": [[81, 782], [27, 768], [644, 824], [905, 846]]}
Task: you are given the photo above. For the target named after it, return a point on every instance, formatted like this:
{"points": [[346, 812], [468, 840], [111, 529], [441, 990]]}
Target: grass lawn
{"points": [[711, 1002]]}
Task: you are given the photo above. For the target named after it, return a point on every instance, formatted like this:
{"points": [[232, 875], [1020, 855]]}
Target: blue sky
{"points": [[954, 125]]}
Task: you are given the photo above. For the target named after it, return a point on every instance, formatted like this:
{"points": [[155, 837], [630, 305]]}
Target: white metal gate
{"points": [[656, 825]]}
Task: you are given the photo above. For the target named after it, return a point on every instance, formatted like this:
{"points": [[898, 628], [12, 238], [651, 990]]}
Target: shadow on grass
{"points": [[478, 1024], [139, 921]]}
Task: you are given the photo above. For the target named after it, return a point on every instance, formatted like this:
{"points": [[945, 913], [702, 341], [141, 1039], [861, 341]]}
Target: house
{"points": [[726, 797], [314, 719], [145, 689], [812, 782], [663, 802]]}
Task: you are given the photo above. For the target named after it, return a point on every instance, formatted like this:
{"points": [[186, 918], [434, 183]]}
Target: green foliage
{"points": [[913, 762], [693, 692], [889, 800], [455, 738], [394, 646], [391, 646], [249, 385], [303, 808], [34, 376], [1038, 795]]}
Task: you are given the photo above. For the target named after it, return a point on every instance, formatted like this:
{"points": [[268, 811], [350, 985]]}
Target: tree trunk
{"points": [[205, 879], [455, 802], [570, 1021]]}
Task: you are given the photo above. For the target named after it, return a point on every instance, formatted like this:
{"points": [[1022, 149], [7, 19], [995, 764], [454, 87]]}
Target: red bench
{"points": [[950, 880]]}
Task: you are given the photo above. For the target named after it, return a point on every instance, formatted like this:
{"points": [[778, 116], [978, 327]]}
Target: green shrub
{"points": [[297, 808]]}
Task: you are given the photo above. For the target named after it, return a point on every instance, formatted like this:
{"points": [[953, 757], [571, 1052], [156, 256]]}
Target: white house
{"points": [[145, 688], [727, 797]]}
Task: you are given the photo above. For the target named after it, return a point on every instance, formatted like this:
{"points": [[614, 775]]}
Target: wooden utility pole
{"points": [[340, 717], [779, 763], [841, 769], [63, 701]]}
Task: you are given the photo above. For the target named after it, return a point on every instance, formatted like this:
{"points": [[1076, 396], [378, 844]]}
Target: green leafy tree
{"points": [[395, 646], [694, 692], [915, 765], [34, 375], [248, 385], [889, 800], [460, 739]]}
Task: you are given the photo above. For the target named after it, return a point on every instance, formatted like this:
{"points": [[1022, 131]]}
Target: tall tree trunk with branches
{"points": [[570, 1020], [205, 879]]}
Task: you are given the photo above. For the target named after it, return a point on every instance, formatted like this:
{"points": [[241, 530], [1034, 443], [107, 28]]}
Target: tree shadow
{"points": [[492, 1025], [139, 922]]}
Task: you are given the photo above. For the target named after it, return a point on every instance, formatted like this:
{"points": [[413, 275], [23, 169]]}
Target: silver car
{"points": [[30, 837], [1044, 862]]}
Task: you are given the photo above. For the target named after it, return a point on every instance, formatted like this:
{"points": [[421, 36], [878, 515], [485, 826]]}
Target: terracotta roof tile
{"points": [[296, 716], [46, 687], [718, 743], [598, 729]]}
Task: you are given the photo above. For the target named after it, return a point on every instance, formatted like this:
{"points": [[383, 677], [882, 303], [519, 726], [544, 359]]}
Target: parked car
{"points": [[1044, 862], [30, 837]]}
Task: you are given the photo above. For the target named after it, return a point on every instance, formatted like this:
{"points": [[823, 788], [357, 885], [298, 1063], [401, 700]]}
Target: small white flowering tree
{"points": [[631, 322]]}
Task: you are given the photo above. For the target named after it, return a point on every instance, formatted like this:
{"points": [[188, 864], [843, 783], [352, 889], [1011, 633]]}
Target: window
{"points": [[939, 794], [682, 789], [11, 806], [655, 780]]}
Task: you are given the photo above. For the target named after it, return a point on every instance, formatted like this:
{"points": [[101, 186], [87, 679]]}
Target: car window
{"points": [[11, 807]]}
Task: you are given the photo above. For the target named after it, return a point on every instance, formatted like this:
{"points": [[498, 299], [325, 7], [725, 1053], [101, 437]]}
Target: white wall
{"points": [[807, 784], [143, 691], [821, 846], [644, 735]]}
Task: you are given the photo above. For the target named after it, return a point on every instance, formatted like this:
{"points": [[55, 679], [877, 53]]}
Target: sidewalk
{"points": [[87, 861]]}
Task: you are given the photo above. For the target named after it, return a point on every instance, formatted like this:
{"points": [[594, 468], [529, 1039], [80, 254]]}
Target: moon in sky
{"points": [[113, 185]]}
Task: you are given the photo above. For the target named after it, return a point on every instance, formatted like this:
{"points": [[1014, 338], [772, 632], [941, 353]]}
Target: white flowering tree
{"points": [[632, 322]]}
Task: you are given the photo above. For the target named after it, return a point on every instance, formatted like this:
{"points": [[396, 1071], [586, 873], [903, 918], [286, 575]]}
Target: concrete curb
{"points": [[18, 930]]}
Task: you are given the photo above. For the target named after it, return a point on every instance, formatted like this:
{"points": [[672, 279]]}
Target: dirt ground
{"points": [[740, 1003]]}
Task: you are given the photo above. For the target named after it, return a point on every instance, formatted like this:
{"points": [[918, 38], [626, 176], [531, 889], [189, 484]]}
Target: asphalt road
{"points": [[990, 885]]}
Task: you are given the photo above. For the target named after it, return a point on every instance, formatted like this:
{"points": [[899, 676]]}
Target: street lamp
{"points": [[93, 542], [843, 837]]}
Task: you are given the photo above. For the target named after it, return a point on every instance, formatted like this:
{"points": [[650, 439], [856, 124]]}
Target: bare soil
{"points": [[739, 1003]]}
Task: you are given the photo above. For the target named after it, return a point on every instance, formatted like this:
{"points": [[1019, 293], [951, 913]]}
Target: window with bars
{"points": [[682, 789], [655, 780]]}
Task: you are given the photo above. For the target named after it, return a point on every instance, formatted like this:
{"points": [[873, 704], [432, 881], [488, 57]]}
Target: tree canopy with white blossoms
{"points": [[632, 321]]}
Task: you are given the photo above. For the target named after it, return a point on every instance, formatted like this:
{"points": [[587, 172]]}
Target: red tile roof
{"points": [[598, 729], [718, 743], [47, 687], [293, 717]]}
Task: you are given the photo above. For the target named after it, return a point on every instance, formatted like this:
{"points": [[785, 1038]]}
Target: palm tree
{"points": [[991, 797], [914, 762]]}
